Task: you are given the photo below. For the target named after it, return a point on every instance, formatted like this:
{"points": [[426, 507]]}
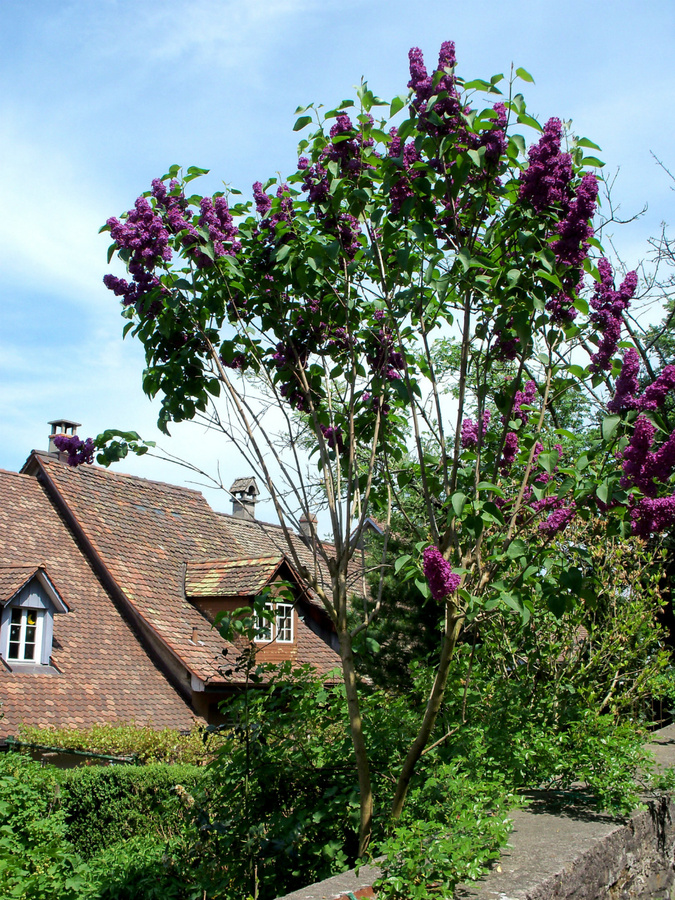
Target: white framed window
{"points": [[25, 635], [284, 623], [280, 628]]}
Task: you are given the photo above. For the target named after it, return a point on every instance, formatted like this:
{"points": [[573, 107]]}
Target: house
{"points": [[110, 583]]}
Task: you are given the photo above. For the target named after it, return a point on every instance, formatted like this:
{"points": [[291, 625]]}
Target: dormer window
{"points": [[277, 625], [29, 603], [25, 634]]}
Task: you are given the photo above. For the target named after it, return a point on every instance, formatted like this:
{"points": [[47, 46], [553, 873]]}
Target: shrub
{"points": [[36, 860], [105, 805], [127, 739]]}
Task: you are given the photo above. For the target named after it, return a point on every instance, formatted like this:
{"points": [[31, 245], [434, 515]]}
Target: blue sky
{"points": [[97, 97]]}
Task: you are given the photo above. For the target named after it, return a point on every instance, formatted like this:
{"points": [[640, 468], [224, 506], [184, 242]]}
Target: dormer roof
{"points": [[231, 577], [14, 578]]}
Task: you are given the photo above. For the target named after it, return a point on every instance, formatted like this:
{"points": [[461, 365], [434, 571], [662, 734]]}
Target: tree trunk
{"points": [[356, 727], [453, 625]]}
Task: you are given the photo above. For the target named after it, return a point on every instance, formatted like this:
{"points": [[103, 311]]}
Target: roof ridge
{"points": [[17, 474], [248, 522], [107, 473], [234, 560]]}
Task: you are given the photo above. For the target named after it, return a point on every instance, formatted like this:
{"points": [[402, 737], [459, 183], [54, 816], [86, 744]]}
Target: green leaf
{"points": [[400, 562], [489, 486], [458, 500], [475, 156], [516, 548], [602, 491], [609, 426], [592, 161], [396, 105], [585, 142], [423, 588], [302, 122], [524, 119], [513, 277], [465, 259], [548, 461], [525, 75]]}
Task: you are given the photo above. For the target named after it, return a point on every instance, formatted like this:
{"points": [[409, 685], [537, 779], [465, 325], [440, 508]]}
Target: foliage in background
{"points": [[144, 743]]}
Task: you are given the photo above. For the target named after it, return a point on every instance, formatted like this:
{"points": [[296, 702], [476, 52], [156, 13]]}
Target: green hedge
{"points": [[147, 744], [105, 805]]}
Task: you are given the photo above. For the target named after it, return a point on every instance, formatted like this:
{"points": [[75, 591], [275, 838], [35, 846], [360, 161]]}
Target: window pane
{"points": [[16, 616], [263, 627], [31, 616], [285, 622], [13, 650], [15, 633]]}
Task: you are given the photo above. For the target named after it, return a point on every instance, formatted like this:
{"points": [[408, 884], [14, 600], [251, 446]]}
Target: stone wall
{"points": [[571, 854]]}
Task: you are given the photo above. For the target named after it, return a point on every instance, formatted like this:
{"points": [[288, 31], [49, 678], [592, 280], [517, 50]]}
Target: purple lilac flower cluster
{"points": [[448, 106], [627, 384], [637, 452], [348, 153], [655, 395], [509, 452], [470, 435], [494, 140], [547, 178], [215, 218], [145, 235], [558, 520], [522, 398], [643, 467], [562, 308], [344, 149], [608, 308], [506, 343], [238, 361], [79, 451], [571, 248], [402, 189], [651, 516], [333, 436], [283, 216], [438, 572], [383, 359]]}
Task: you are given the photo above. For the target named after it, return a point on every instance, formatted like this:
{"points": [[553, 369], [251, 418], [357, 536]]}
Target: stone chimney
{"points": [[307, 527], [61, 426], [244, 493]]}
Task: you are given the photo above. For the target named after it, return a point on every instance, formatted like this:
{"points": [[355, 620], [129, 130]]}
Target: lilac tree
{"points": [[317, 309]]}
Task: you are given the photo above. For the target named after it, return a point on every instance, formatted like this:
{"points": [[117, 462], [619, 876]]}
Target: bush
{"points": [[105, 805], [146, 744], [36, 860], [452, 828], [139, 869]]}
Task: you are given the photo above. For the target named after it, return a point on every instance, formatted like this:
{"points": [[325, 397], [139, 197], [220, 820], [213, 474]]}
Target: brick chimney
{"points": [[307, 527], [61, 426], [244, 493]]}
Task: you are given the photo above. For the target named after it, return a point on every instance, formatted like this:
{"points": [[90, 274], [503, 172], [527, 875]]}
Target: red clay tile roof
{"points": [[230, 578], [264, 539], [103, 672], [13, 578], [145, 533]]}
